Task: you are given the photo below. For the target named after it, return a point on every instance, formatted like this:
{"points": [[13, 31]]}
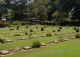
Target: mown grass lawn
{"points": [[21, 43], [65, 49]]}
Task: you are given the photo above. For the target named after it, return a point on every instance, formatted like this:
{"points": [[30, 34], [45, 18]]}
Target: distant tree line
{"points": [[58, 11]]}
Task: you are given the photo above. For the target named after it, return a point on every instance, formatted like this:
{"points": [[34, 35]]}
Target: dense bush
{"points": [[36, 27], [77, 30], [60, 27], [77, 36], [2, 41], [17, 27], [74, 28], [58, 30], [25, 33], [31, 30], [36, 44], [42, 29], [27, 27]]}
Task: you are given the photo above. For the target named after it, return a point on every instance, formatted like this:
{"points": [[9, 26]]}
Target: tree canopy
{"points": [[44, 9]]}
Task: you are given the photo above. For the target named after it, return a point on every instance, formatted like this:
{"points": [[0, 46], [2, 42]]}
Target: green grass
{"points": [[66, 49], [21, 43], [56, 50]]}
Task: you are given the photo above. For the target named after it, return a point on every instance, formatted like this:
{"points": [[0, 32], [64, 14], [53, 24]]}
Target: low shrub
{"points": [[77, 30], [74, 28], [58, 30], [25, 33], [36, 27], [48, 34], [2, 41], [44, 26], [60, 27], [17, 34], [31, 30], [36, 44], [27, 27], [77, 36], [11, 29], [42, 29], [53, 31], [17, 27]]}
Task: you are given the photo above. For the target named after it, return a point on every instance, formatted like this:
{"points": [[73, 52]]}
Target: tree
{"points": [[40, 8], [3, 8]]}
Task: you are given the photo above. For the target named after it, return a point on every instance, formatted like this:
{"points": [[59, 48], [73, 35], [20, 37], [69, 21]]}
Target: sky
{"points": [[28, 1]]}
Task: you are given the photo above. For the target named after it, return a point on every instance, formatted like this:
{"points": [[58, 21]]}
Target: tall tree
{"points": [[40, 8]]}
